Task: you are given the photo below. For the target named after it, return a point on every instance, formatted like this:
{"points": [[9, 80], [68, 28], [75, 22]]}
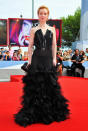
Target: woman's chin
{"points": [[42, 20]]}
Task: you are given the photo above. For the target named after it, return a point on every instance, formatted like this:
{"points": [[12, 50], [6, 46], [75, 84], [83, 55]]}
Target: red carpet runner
{"points": [[75, 89]]}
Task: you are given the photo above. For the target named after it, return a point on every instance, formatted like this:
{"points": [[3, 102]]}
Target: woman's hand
{"points": [[54, 62], [29, 62]]}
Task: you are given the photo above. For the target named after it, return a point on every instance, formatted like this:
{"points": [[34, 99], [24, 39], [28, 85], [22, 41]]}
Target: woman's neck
{"points": [[42, 24]]}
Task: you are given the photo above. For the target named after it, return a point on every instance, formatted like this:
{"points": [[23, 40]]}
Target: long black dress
{"points": [[42, 101]]}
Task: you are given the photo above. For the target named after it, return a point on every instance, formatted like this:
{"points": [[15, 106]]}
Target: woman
{"points": [[19, 54], [42, 100], [25, 57], [15, 57], [83, 54]]}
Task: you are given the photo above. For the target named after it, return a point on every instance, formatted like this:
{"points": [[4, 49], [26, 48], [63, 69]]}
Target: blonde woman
{"points": [[42, 101]]}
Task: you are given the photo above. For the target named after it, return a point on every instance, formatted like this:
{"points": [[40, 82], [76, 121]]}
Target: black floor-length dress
{"points": [[42, 100]]}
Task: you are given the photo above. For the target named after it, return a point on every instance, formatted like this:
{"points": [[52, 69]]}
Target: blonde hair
{"points": [[43, 7]]}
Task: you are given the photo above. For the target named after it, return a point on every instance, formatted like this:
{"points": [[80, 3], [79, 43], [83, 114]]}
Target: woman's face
{"points": [[43, 15], [14, 54], [65, 53]]}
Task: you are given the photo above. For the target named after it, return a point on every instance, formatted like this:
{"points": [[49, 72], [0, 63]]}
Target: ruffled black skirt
{"points": [[42, 100]]}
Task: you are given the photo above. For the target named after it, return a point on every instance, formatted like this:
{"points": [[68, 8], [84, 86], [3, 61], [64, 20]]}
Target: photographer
{"points": [[77, 60]]}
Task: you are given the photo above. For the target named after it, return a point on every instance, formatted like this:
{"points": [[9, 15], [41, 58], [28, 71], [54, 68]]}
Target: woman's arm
{"points": [[31, 41], [54, 46]]}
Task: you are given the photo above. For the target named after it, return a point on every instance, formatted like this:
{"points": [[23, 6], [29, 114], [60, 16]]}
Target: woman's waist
{"points": [[43, 48], [42, 53]]}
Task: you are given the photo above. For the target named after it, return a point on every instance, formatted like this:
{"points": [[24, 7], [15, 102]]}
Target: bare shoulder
{"points": [[32, 30], [51, 28]]}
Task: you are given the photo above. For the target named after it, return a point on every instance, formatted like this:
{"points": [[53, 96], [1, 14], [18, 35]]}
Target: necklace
{"points": [[43, 28], [43, 25]]}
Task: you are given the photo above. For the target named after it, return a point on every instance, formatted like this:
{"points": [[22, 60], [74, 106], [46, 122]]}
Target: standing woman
{"points": [[42, 101]]}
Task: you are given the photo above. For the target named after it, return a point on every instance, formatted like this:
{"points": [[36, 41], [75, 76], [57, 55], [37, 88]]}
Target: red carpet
{"points": [[74, 89]]}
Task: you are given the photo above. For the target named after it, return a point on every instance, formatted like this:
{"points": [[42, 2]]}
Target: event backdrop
{"points": [[19, 30], [3, 32]]}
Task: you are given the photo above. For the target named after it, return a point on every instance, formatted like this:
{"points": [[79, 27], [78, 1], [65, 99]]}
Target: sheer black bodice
{"points": [[43, 40], [42, 55], [42, 101]]}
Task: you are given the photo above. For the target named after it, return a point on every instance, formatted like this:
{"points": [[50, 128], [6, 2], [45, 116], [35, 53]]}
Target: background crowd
{"points": [[17, 55], [14, 55], [77, 58], [67, 55]]}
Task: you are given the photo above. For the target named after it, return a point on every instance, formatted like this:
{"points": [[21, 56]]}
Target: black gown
{"points": [[42, 100]]}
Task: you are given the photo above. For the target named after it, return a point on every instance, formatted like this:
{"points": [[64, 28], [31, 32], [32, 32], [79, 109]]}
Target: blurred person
{"points": [[61, 51], [68, 56], [59, 62], [25, 56], [14, 57], [80, 52], [11, 51], [64, 56], [83, 54], [5, 49], [77, 60], [1, 56], [86, 52], [8, 57], [2, 51], [20, 49], [70, 52], [19, 55], [4, 56]]}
